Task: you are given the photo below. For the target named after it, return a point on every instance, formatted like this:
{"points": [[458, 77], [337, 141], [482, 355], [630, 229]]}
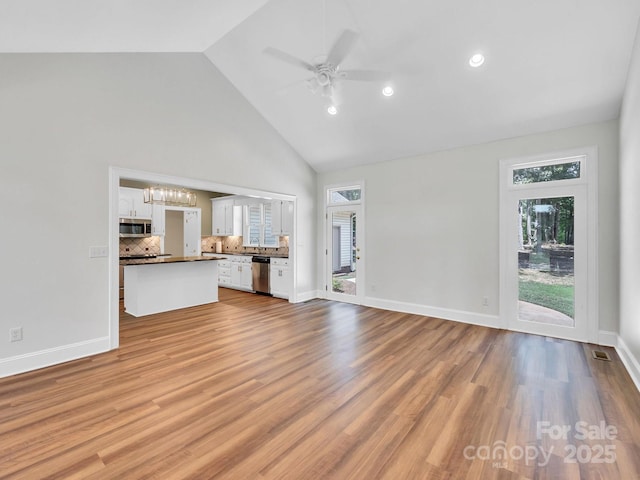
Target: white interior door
{"points": [[345, 254]]}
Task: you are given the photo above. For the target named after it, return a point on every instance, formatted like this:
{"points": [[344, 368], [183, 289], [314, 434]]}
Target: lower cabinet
{"points": [[224, 273], [280, 278], [241, 276], [235, 271]]}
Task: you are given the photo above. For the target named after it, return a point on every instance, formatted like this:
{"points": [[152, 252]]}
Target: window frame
{"points": [[337, 188], [262, 225], [544, 162]]}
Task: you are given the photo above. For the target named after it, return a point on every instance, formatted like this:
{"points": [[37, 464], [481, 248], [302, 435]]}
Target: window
{"points": [[548, 172], [344, 195], [269, 240], [252, 224], [257, 230]]}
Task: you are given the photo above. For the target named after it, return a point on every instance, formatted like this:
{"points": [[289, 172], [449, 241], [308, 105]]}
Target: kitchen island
{"points": [[155, 285]]}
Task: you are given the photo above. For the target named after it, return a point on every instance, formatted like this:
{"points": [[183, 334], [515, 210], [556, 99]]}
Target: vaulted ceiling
{"points": [[549, 64]]}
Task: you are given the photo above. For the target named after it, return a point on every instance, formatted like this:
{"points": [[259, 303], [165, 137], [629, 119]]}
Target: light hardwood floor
{"points": [[256, 388]]}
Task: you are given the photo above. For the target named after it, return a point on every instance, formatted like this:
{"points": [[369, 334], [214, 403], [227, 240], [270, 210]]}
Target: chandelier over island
{"points": [[176, 197]]}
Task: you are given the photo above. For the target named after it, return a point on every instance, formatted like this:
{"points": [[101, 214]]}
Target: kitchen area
{"points": [[199, 241]]}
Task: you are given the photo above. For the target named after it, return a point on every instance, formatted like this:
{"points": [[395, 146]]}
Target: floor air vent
{"points": [[600, 355]]}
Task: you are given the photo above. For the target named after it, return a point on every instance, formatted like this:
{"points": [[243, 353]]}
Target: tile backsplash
{"points": [[139, 246], [234, 245], [151, 245]]}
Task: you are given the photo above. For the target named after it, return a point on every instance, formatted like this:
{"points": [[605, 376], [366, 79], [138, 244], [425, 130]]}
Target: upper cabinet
{"points": [[158, 220], [281, 217], [131, 203], [226, 217]]}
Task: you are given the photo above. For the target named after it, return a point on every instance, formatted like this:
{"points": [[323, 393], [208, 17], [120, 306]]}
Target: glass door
{"points": [[344, 254], [546, 261], [545, 266]]}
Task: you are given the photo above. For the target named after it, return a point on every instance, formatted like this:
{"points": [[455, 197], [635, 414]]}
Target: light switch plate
{"points": [[96, 252]]}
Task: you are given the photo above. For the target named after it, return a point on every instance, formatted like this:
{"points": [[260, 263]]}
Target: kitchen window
{"points": [[257, 228]]}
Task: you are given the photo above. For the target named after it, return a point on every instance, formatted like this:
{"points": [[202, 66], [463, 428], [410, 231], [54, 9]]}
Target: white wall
{"points": [[432, 224], [630, 214], [64, 119]]}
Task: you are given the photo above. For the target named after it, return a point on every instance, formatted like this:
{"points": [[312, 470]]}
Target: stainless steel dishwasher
{"points": [[260, 270]]}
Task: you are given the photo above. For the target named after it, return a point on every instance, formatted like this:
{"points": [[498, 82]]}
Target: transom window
{"points": [[344, 195], [549, 171]]}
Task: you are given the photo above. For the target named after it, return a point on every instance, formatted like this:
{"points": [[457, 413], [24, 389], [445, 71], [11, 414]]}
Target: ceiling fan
{"points": [[326, 71]]}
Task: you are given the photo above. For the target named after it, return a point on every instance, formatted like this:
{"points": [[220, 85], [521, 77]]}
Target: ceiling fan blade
{"points": [[365, 75], [342, 47], [290, 59]]}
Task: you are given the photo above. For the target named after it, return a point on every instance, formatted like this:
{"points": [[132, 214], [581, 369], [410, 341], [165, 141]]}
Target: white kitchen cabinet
{"points": [[131, 203], [281, 217], [241, 276], [224, 273], [236, 273], [280, 278], [158, 220], [125, 203], [226, 217], [287, 218], [224, 269], [218, 219], [246, 280]]}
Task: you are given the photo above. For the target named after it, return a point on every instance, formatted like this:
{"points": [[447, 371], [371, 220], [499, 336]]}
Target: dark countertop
{"points": [[165, 259], [272, 255]]}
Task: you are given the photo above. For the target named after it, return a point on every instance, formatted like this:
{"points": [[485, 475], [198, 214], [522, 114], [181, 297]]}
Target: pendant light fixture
{"points": [[175, 197]]}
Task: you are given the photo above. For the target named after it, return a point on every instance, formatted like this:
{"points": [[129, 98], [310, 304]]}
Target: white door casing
{"points": [[345, 243], [584, 191]]}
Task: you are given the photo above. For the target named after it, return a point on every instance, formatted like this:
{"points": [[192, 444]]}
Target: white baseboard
{"points": [[306, 296], [52, 356], [629, 361], [608, 339], [462, 316]]}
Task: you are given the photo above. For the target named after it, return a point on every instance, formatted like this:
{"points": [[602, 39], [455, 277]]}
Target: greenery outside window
{"points": [[567, 169]]}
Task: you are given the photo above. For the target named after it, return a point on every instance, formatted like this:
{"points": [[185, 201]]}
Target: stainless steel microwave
{"points": [[135, 227]]}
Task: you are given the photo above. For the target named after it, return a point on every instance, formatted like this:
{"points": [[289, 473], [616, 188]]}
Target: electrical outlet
{"points": [[96, 252], [485, 301], [15, 334]]}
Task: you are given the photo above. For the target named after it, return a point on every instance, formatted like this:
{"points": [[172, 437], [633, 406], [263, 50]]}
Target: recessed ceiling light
{"points": [[476, 60], [332, 110], [387, 91]]}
